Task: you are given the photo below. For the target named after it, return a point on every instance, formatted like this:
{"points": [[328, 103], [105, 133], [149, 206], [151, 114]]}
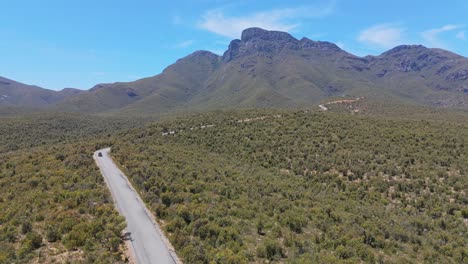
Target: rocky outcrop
{"points": [[257, 41]]}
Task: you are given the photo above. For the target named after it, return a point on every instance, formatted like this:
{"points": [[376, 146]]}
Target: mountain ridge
{"points": [[274, 69]]}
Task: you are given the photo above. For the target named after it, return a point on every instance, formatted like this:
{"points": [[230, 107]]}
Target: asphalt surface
{"points": [[148, 244]]}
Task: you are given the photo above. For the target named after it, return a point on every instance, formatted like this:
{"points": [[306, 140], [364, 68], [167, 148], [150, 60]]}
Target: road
{"points": [[148, 244]]}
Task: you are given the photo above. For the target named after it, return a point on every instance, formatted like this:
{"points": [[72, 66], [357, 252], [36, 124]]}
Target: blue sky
{"points": [[58, 43]]}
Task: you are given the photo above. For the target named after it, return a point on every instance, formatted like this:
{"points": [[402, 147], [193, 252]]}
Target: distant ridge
{"points": [[15, 94]]}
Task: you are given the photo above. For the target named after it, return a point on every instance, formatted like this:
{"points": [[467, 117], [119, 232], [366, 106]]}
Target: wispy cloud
{"points": [[382, 35], [431, 36], [461, 35], [218, 22], [184, 44]]}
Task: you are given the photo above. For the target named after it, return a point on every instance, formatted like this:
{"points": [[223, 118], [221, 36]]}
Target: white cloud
{"points": [[383, 35], [185, 44], [279, 19], [431, 36], [461, 35], [216, 22]]}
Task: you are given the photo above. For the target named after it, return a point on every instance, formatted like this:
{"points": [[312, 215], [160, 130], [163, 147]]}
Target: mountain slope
{"points": [[174, 86], [15, 94], [425, 75], [273, 69]]}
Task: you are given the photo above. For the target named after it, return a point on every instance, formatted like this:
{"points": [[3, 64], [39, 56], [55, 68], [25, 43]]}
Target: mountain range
{"points": [[267, 69]]}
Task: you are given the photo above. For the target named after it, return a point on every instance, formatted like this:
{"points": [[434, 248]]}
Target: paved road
{"points": [[148, 244]]}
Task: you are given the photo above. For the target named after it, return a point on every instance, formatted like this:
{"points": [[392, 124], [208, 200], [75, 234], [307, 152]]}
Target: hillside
{"points": [[433, 76], [15, 94]]}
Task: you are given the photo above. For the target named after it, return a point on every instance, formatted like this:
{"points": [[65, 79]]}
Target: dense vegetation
{"points": [[305, 187], [55, 207], [45, 129], [280, 186]]}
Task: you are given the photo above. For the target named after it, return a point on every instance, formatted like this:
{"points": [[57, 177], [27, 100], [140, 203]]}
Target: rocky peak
{"points": [[261, 42], [262, 34]]}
